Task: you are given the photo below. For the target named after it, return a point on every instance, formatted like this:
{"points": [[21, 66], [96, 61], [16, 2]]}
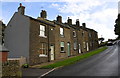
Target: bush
{"points": [[103, 44], [25, 65]]}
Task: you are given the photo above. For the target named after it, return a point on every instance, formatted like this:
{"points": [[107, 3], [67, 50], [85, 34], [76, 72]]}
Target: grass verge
{"points": [[69, 61]]}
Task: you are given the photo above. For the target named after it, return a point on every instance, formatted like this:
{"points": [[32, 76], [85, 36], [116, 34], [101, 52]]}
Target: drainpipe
{"points": [[77, 42], [48, 46]]}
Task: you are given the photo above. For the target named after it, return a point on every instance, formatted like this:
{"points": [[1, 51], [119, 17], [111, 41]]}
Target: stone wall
{"points": [[11, 69]]}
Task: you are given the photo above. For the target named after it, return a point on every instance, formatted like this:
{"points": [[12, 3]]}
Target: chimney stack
{"points": [[59, 19], [21, 9], [43, 14], [77, 23], [69, 21], [84, 25]]}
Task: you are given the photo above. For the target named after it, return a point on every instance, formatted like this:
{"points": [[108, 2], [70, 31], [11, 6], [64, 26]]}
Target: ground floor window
{"points": [[75, 45], [62, 46], [84, 44], [43, 50]]}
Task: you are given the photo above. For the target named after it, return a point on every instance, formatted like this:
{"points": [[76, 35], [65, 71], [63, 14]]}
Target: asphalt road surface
{"points": [[106, 63]]}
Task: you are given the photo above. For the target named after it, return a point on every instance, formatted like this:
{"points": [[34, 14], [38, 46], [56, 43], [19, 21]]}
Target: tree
{"points": [[2, 28], [101, 39], [117, 26]]}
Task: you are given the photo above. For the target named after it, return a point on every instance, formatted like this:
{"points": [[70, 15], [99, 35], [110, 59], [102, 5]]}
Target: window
{"points": [[83, 33], [74, 34], [84, 44], [90, 43], [61, 32], [51, 29], [75, 45], [43, 50], [62, 46], [42, 31], [89, 34]]}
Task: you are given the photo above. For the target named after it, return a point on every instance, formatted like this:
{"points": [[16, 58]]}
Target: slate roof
{"points": [[52, 23]]}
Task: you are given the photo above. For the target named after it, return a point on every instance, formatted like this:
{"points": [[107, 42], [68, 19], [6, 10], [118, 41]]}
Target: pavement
{"points": [[105, 64], [33, 72]]}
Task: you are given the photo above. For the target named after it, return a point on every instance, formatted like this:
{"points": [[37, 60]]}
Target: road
{"points": [[103, 64]]}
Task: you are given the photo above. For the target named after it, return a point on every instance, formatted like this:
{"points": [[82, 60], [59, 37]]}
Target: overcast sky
{"points": [[99, 15]]}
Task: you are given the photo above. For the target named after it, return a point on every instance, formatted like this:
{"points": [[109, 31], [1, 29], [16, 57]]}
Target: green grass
{"points": [[69, 61]]}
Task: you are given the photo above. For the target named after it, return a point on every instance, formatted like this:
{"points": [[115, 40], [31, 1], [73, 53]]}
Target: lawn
{"points": [[69, 61]]}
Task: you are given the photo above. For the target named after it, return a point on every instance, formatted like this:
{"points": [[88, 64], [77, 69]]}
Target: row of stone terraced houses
{"points": [[41, 40]]}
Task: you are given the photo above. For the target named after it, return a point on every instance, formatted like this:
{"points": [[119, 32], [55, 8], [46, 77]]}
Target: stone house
{"points": [[73, 37], [62, 39], [41, 40]]}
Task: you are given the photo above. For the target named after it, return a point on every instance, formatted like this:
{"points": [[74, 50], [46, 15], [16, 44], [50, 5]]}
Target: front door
{"points": [[87, 47], [79, 49], [52, 52], [68, 48]]}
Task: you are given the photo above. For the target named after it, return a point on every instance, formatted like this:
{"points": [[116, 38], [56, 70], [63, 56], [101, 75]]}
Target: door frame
{"points": [[53, 52], [68, 49], [79, 48], [87, 46]]}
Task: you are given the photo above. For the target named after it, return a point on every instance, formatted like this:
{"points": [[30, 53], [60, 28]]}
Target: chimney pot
{"points": [[20, 4]]}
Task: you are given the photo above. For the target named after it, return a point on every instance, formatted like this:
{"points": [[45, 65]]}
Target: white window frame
{"points": [[74, 34], [62, 46], [42, 31], [61, 31], [90, 35], [44, 50], [84, 44]]}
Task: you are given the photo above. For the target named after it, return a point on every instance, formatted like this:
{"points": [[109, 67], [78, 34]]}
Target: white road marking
{"points": [[48, 72]]}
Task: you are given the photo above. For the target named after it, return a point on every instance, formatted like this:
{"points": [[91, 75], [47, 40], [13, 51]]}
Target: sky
{"points": [[99, 15]]}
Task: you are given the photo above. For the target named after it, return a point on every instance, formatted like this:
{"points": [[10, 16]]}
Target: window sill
{"points": [[43, 36], [62, 36], [42, 55], [75, 49], [62, 52]]}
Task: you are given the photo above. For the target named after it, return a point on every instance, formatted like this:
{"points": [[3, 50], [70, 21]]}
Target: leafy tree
{"points": [[101, 39], [117, 26]]}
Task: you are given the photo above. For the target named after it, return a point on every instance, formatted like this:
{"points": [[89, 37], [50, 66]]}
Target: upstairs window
{"points": [[62, 46], [90, 35], [42, 31], [74, 34], [83, 33], [61, 31]]}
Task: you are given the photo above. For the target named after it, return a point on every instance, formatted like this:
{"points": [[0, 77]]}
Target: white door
{"points": [[87, 47], [52, 52], [79, 49]]}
